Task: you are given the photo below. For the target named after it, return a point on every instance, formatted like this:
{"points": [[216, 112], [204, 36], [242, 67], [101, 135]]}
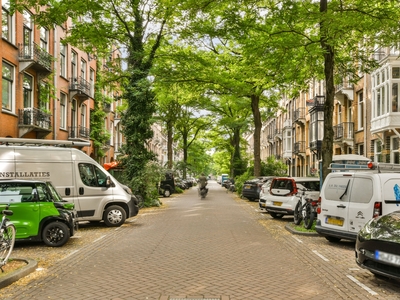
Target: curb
{"points": [[18, 274], [289, 227]]}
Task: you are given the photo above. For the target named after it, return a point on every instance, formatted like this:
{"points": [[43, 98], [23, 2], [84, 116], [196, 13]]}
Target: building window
{"points": [[83, 69], [63, 60], [28, 91], [378, 157], [360, 97], [360, 149], [27, 33], [7, 86], [7, 22], [44, 39], [394, 153], [74, 70], [287, 141], [63, 111], [91, 74], [44, 99], [83, 115]]}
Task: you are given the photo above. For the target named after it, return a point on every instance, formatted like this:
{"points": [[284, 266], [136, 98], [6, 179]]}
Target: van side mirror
{"points": [[108, 182]]}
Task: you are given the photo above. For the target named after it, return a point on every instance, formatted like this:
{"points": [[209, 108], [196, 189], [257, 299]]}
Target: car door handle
{"points": [[81, 191], [341, 206]]}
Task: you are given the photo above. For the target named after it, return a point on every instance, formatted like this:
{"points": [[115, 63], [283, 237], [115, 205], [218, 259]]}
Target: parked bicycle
{"points": [[7, 236], [305, 210]]}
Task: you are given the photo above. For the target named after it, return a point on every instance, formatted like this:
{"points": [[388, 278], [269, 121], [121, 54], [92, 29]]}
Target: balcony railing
{"points": [[299, 114], [34, 56], [343, 131], [77, 132], [34, 117], [80, 86], [299, 147]]}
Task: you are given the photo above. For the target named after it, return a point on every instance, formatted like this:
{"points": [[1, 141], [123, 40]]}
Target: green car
{"points": [[40, 214]]}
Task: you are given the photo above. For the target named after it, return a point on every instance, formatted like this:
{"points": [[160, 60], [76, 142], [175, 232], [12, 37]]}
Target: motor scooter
{"points": [[203, 192]]}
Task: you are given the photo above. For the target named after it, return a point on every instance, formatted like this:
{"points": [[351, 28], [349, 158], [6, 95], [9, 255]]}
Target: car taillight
{"points": [[377, 209], [319, 205]]}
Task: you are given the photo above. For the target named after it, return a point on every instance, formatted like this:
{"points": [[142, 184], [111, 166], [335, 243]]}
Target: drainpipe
{"points": [[55, 84]]}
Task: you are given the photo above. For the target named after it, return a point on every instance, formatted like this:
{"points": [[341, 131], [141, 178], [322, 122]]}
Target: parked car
{"points": [[39, 212], [265, 190], [252, 187], [167, 185], [181, 184], [283, 198], [350, 198], [378, 245]]}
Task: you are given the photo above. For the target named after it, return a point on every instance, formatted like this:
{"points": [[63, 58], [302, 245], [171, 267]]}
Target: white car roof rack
{"points": [[40, 142], [371, 166]]}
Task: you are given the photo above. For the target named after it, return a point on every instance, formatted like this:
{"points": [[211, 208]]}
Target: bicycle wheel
{"points": [[298, 215], [7, 243], [309, 216]]}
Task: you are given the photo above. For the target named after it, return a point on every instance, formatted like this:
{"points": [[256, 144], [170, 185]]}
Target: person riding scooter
{"points": [[202, 185]]}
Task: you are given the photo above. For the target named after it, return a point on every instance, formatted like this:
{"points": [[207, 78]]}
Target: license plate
{"points": [[334, 221], [387, 257], [247, 187], [277, 203], [262, 204]]}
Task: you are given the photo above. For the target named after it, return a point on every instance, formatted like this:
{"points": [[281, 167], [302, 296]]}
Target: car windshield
{"points": [[56, 195]]}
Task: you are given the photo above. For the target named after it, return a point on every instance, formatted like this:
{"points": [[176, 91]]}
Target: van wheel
{"points": [[276, 215], [55, 234], [114, 216], [333, 239], [167, 193]]}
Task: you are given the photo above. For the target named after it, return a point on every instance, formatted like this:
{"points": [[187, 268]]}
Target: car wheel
{"points": [[114, 216], [276, 215], [55, 234], [333, 239], [167, 193]]}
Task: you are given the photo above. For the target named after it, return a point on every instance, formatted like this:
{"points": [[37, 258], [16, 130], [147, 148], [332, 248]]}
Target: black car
{"points": [[378, 246], [252, 187], [167, 186]]}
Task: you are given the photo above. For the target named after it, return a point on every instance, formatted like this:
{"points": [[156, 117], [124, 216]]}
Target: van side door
{"points": [[93, 193], [361, 203]]}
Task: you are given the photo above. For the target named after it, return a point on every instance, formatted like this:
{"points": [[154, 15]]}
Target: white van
{"points": [[350, 197], [97, 195]]}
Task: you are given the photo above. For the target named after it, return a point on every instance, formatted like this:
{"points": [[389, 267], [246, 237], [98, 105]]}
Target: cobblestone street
{"points": [[221, 247]]}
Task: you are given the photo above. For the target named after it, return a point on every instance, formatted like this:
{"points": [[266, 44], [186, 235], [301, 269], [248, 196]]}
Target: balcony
{"points": [[316, 104], [385, 122], [299, 116], [79, 88], [34, 119], [343, 91], [78, 133], [343, 133], [287, 124], [34, 57], [316, 145], [300, 148]]}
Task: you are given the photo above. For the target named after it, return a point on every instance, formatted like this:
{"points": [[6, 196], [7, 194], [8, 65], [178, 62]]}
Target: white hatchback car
{"points": [[283, 194], [264, 192]]}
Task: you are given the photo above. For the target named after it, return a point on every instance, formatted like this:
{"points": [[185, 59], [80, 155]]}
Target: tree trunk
{"points": [[169, 145], [255, 100], [236, 157], [329, 64]]}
